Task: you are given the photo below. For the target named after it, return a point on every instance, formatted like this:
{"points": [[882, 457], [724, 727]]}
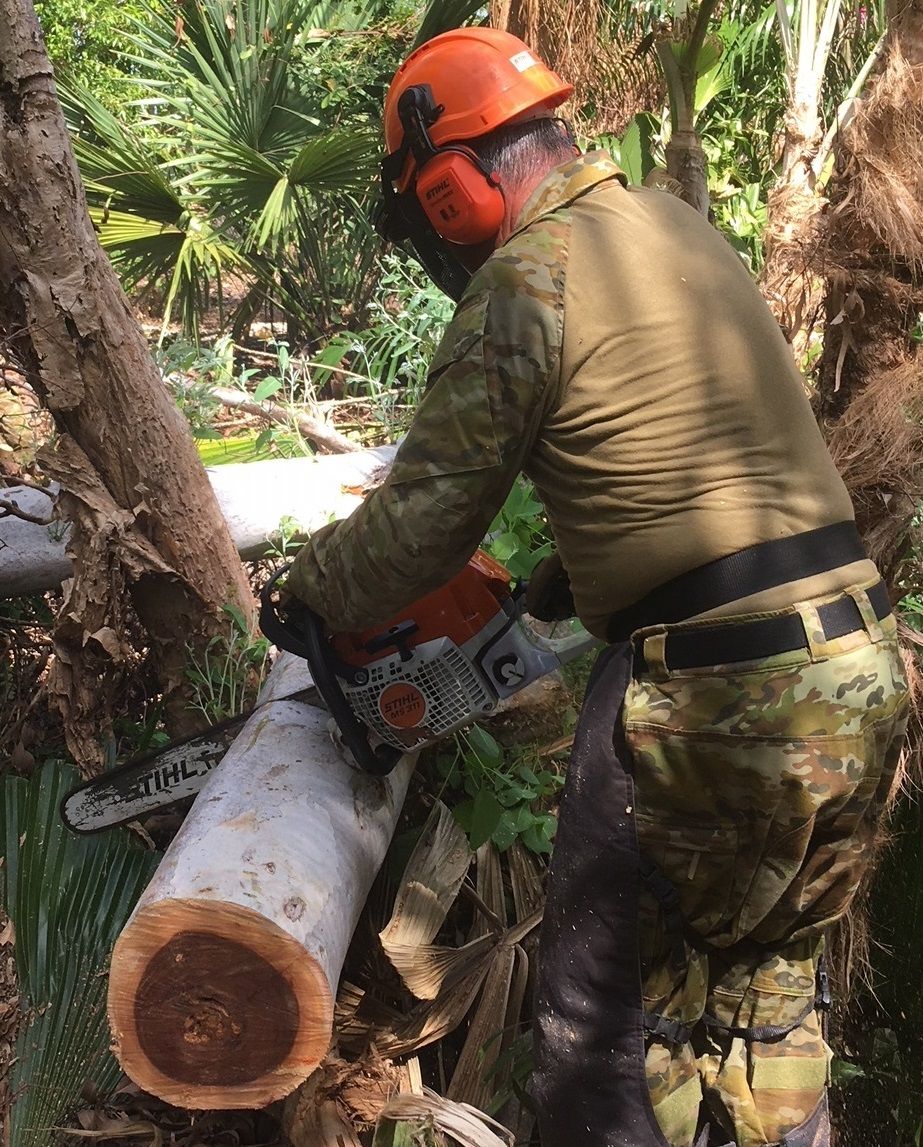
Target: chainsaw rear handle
{"points": [[301, 631]]}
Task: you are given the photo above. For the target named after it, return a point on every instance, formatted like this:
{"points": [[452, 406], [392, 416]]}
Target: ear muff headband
{"points": [[458, 192]]}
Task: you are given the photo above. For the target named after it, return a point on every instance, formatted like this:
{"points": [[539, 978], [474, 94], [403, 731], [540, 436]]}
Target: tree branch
{"points": [[10, 509], [307, 425]]}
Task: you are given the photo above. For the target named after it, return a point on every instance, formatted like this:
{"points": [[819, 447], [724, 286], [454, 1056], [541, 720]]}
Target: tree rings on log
{"points": [[213, 1005]]}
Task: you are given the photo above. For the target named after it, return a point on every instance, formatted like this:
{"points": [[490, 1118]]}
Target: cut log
{"points": [[222, 983], [253, 497]]}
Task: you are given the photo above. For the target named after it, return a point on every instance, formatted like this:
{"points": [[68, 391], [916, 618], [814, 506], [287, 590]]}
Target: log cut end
{"points": [[214, 1006]]}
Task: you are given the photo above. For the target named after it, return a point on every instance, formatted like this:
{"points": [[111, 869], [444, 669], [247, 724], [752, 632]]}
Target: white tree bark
{"points": [[222, 983], [253, 498]]}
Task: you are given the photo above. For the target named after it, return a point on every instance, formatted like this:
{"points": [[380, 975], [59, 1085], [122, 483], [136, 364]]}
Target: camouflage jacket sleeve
{"points": [[491, 382]]}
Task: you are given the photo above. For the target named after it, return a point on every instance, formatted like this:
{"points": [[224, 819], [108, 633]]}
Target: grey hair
{"points": [[522, 151]]}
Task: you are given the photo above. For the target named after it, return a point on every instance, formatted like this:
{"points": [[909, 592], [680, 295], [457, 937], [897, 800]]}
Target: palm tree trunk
{"points": [[871, 375], [795, 227], [146, 525], [871, 398]]}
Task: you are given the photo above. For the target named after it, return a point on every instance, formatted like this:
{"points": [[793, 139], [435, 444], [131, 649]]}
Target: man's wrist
{"points": [[305, 575]]}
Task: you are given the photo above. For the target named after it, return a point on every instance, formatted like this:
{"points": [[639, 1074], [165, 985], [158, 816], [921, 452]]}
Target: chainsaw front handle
{"points": [[301, 631]]}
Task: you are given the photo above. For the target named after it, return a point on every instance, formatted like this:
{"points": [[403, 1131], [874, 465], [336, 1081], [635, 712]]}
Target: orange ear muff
{"points": [[461, 199]]}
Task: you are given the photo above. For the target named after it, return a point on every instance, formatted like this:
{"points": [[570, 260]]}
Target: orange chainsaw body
{"points": [[460, 610]]}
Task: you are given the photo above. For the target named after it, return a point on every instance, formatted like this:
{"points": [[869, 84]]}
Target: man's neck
{"points": [[514, 199]]}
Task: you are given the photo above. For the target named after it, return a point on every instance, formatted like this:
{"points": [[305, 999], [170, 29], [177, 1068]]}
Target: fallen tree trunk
{"points": [[253, 497], [222, 983]]}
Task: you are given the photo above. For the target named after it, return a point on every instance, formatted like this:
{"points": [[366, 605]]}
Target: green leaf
{"points": [[843, 1073], [487, 750], [236, 615], [709, 55], [505, 546], [512, 794], [630, 152], [538, 837], [463, 813], [524, 562], [267, 388], [333, 162], [485, 816], [505, 833]]}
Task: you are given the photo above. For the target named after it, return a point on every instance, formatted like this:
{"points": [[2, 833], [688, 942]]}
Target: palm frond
{"points": [[115, 162], [68, 898], [231, 160], [442, 15]]}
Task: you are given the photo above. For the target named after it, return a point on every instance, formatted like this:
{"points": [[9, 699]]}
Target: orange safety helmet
{"points": [[457, 87]]}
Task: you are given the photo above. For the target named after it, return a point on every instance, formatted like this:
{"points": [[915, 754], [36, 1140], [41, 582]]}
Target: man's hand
{"points": [[548, 595]]}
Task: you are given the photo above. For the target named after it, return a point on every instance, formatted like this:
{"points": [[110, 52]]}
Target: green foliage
{"points": [[231, 164], [740, 213], [238, 448], [911, 607], [403, 1133], [636, 151], [882, 1090], [502, 792], [68, 898], [511, 1074], [389, 360], [150, 223], [227, 676], [252, 148], [346, 75], [191, 372], [289, 540], [82, 38], [442, 15], [519, 536]]}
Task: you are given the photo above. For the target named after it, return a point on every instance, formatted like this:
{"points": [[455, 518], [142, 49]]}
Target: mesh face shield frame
{"points": [[400, 218]]}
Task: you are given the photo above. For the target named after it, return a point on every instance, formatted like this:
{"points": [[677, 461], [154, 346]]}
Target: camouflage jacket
{"points": [[663, 421], [489, 385]]}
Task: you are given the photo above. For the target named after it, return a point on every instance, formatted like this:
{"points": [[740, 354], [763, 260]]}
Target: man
{"points": [[740, 733]]}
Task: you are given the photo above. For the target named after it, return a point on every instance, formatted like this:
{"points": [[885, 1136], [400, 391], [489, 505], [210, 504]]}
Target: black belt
{"points": [[739, 575], [766, 636]]}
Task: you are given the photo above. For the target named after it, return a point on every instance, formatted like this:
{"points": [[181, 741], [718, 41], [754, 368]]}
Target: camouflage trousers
{"points": [[759, 787]]}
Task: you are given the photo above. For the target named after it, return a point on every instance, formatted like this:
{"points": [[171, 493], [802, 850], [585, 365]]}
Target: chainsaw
{"points": [[444, 662]]}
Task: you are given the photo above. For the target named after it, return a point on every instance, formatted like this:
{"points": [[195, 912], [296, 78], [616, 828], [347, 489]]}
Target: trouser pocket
{"points": [[757, 793]]}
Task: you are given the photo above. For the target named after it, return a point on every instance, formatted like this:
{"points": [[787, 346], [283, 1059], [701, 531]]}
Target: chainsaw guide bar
{"points": [[157, 779]]}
